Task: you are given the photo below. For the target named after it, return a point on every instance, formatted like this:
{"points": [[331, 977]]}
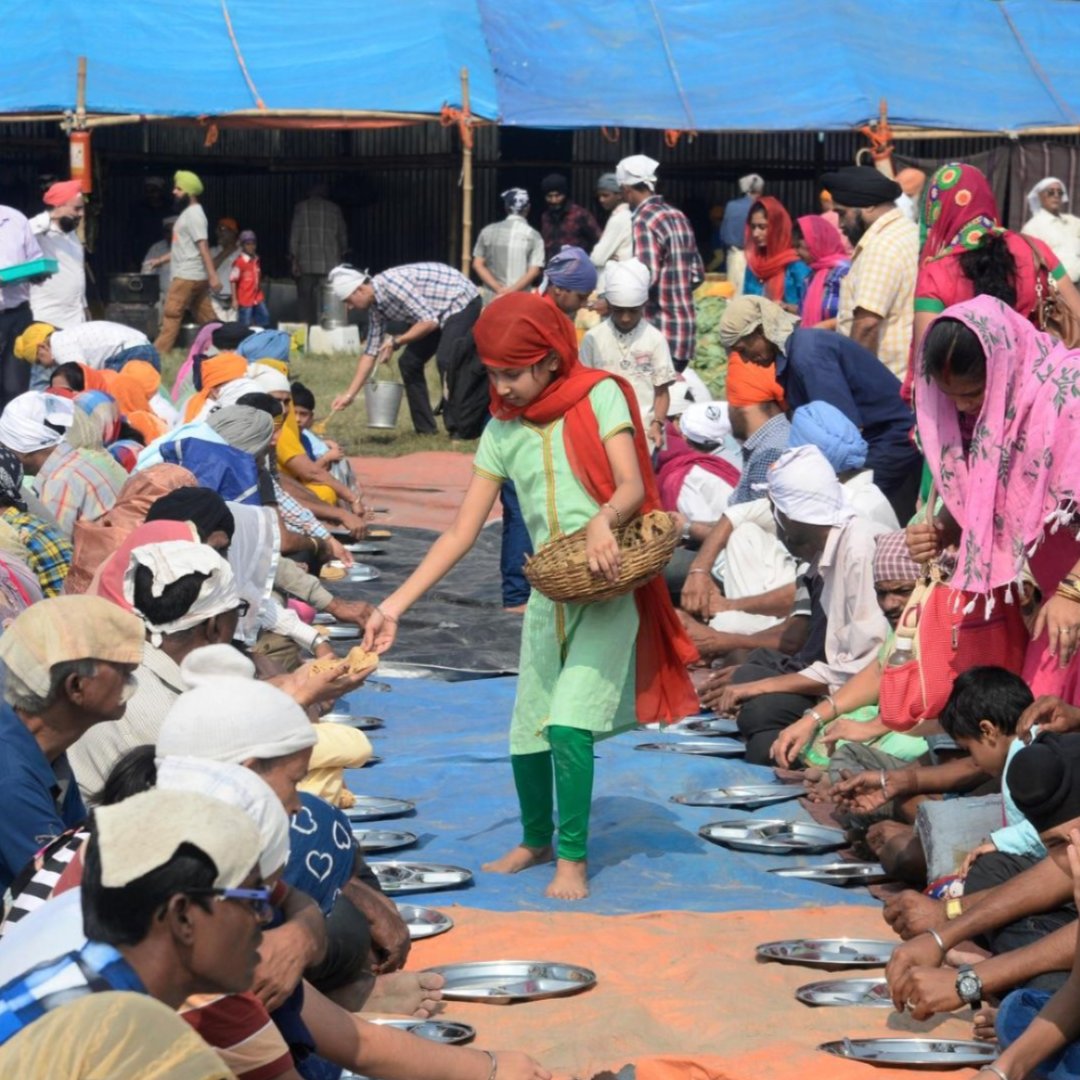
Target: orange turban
{"points": [[216, 371], [145, 374], [752, 384]]}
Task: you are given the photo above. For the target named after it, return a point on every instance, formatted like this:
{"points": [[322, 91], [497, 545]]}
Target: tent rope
{"points": [[671, 64], [1037, 68], [259, 103]]}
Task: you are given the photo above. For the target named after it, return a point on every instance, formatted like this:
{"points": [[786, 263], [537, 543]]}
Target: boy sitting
{"points": [[626, 344], [322, 451]]}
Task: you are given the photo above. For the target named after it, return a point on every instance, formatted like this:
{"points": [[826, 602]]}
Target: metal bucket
{"points": [[383, 400], [332, 311]]}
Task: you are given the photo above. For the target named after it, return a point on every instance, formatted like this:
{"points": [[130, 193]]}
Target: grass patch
{"points": [[328, 375]]}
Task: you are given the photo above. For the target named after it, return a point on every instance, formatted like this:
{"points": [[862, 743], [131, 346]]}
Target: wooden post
{"points": [[80, 96], [466, 177]]}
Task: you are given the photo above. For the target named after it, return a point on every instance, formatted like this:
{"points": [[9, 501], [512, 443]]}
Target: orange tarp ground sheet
{"points": [[421, 491], [678, 993]]}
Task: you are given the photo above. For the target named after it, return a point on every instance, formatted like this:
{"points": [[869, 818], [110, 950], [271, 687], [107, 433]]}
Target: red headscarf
{"points": [[825, 243], [769, 266], [959, 209], [519, 330]]}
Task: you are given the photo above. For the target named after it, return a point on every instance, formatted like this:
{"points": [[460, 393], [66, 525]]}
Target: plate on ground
{"points": [[339, 631], [362, 572], [774, 836], [373, 760], [323, 618], [710, 726], [915, 1053], [829, 953], [741, 796], [870, 991], [440, 1031], [424, 922], [373, 807], [361, 723], [701, 747], [400, 877], [499, 982], [360, 547], [374, 840], [839, 873]]}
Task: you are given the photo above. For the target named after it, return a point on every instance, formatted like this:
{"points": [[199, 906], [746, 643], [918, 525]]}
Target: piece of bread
{"points": [[358, 659]]}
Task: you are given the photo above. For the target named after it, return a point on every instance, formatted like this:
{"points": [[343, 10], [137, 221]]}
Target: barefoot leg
{"points": [[570, 881], [410, 993], [519, 858]]}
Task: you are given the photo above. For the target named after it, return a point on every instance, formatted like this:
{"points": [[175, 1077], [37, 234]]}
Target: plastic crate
{"points": [[12, 275]]}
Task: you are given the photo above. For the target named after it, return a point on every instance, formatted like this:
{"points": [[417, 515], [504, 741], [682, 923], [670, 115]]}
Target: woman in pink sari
{"points": [[1011, 489], [820, 244]]}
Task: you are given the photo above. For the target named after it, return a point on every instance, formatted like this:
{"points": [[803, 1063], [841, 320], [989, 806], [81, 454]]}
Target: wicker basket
{"points": [[561, 572]]}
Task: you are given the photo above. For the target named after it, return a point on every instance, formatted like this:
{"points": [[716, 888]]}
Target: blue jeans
{"points": [[1014, 1018], [145, 352], [516, 545], [256, 315]]}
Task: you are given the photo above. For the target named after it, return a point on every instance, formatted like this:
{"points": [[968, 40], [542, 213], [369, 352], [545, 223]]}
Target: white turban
{"points": [[143, 833], [236, 786], [35, 421], [1033, 195], [706, 422], [212, 661], [804, 488], [626, 284], [269, 380], [168, 562], [345, 280], [231, 392], [751, 183], [232, 718], [637, 169]]}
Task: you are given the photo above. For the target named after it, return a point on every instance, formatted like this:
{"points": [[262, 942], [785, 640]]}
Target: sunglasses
{"points": [[257, 900], [1053, 191]]}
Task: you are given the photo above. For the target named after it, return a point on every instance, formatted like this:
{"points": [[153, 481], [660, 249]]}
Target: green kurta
{"points": [[577, 665]]}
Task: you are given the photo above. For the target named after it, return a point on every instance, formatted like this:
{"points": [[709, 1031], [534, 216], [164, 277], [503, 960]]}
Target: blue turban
{"points": [[265, 345], [826, 427], [571, 269]]}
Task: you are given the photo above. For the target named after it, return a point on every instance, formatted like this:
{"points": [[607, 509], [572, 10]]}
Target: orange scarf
{"points": [[216, 371]]}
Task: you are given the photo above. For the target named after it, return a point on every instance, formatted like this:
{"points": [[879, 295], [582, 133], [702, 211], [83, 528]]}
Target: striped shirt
{"points": [[416, 292], [48, 549], [75, 484], [297, 518], [317, 237], [509, 248], [759, 452], [665, 243]]}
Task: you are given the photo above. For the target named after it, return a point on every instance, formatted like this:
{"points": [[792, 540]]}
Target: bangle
{"points": [[696, 570], [1068, 592], [884, 784], [387, 616], [816, 715], [835, 708], [495, 1064], [314, 544], [618, 516], [940, 944], [999, 1073]]}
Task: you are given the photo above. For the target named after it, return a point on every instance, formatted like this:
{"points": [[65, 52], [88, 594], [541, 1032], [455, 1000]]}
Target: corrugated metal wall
{"points": [[400, 187]]}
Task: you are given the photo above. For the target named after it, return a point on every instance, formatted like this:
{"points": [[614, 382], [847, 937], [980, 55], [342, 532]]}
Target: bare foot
{"points": [[518, 859], [984, 1024], [570, 881], [408, 993]]}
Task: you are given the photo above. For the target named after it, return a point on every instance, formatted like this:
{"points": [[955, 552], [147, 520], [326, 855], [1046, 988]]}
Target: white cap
{"points": [[637, 169]]}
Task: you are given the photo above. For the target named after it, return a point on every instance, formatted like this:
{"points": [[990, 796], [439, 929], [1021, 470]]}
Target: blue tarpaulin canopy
{"points": [[704, 65]]}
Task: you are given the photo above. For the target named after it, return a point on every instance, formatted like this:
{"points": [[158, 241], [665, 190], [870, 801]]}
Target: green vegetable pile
{"points": [[710, 357]]}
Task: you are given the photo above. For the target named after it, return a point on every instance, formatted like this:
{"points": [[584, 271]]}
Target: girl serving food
{"points": [[570, 438]]}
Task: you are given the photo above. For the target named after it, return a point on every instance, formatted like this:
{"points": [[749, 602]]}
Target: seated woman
{"points": [[773, 268], [820, 245]]}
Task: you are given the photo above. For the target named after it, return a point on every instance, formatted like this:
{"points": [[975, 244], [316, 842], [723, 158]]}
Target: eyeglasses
{"points": [[1053, 191], [242, 608], [257, 900]]}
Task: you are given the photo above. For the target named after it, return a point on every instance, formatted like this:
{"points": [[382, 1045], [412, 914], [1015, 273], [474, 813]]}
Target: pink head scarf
{"points": [[1019, 478], [825, 243], [108, 580]]}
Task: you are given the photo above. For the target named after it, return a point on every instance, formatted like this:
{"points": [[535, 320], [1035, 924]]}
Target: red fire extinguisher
{"points": [[81, 168]]}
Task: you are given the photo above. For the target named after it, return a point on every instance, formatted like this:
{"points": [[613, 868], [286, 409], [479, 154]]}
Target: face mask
{"points": [[68, 224]]}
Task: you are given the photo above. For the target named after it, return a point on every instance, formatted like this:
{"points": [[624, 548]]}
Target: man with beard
{"points": [[193, 270], [564, 223], [877, 298], [61, 299]]}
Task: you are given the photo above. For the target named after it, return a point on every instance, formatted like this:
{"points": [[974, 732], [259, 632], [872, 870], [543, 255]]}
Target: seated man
{"points": [[817, 524], [71, 483], [694, 474], [69, 662]]}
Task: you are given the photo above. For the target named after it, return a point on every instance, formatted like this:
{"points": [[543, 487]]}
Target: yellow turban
{"points": [[26, 344], [188, 182]]}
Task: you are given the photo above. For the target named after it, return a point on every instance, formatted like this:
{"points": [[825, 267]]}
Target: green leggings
{"points": [[571, 756]]}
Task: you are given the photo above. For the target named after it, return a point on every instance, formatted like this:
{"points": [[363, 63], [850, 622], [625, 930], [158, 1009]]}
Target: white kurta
{"points": [[60, 300], [1060, 233]]}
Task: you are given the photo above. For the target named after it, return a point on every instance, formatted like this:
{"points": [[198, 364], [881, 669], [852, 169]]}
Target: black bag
{"points": [[467, 393]]}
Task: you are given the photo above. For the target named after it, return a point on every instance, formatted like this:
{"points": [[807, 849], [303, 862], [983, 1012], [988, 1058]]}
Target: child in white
{"points": [[628, 345]]}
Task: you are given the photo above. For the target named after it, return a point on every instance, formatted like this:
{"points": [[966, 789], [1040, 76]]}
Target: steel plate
{"points": [[361, 547], [915, 1053], [373, 807], [400, 877], [323, 618], [840, 873], [700, 747], [774, 836], [500, 982], [829, 953], [709, 726], [873, 992], [440, 1031], [340, 631], [361, 723], [362, 572], [373, 760], [745, 796], [374, 840], [424, 922]]}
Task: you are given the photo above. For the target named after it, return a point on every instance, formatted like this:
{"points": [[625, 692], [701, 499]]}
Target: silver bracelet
{"points": [[696, 570], [940, 944], [999, 1073], [495, 1064]]}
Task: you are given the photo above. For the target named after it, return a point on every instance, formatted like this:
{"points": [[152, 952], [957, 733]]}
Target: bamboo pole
{"points": [[80, 96], [466, 177]]}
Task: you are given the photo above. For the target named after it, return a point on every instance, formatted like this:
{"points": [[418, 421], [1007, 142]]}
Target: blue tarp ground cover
{"points": [[709, 65], [445, 746]]}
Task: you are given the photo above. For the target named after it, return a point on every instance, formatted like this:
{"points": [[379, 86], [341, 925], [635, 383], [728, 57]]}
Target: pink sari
{"points": [[825, 243]]}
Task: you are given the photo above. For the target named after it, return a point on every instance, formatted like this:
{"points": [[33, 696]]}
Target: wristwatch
{"points": [[969, 986]]}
